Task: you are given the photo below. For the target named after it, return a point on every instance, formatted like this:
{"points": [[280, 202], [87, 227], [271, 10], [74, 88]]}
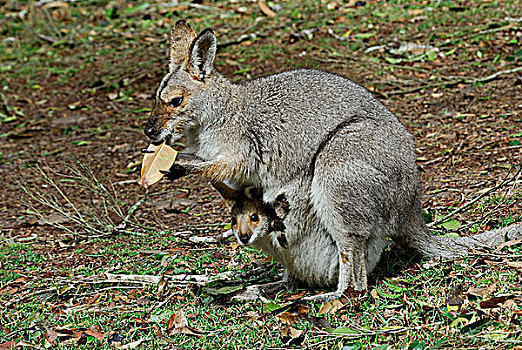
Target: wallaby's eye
{"points": [[176, 102], [254, 217], [234, 222]]}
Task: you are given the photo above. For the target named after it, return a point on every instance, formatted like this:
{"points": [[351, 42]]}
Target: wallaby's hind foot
{"points": [[254, 291], [324, 298]]}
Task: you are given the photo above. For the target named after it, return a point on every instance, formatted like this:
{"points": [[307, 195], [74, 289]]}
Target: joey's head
{"points": [[179, 100], [251, 218]]}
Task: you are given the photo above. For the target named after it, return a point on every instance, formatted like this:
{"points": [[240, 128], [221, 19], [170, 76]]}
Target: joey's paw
{"points": [[281, 206], [277, 225], [175, 172], [281, 238]]}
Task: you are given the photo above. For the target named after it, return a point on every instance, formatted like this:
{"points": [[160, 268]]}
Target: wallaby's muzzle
{"points": [[155, 127], [150, 130]]}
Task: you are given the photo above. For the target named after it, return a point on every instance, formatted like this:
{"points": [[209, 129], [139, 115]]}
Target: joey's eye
{"points": [[175, 102], [234, 221], [254, 217]]}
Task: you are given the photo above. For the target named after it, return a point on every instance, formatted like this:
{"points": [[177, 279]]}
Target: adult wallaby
{"points": [[344, 162]]}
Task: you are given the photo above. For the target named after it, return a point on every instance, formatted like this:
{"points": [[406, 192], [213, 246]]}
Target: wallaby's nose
{"points": [[244, 238], [150, 130]]}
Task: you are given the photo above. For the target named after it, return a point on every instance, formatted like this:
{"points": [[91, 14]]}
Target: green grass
{"points": [[397, 310]]}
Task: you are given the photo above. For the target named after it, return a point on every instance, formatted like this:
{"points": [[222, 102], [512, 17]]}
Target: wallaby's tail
{"points": [[431, 246]]}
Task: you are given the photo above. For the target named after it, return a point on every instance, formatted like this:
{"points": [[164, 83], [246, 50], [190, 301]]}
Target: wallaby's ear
{"points": [[202, 54], [230, 196], [181, 37]]}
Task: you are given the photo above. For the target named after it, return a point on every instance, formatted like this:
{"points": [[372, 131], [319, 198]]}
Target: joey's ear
{"points": [[230, 196], [181, 37], [202, 54], [253, 193], [281, 206]]}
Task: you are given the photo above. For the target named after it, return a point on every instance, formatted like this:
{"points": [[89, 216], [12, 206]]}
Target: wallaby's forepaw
{"points": [[277, 225], [175, 172]]}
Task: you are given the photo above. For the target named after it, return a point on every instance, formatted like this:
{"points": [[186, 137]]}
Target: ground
{"points": [[79, 236]]}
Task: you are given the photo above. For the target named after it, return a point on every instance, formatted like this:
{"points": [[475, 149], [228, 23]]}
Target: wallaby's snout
{"points": [[155, 127], [150, 130]]}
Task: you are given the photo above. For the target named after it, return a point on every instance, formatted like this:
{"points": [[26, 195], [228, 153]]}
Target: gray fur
{"points": [[361, 189]]}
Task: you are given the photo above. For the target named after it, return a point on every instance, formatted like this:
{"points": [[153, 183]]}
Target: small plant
{"points": [[57, 201]]}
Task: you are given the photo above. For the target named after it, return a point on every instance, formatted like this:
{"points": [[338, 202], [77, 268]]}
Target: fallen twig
{"points": [[47, 38], [161, 304], [473, 201], [147, 279], [242, 38], [494, 76], [211, 239], [455, 81]]}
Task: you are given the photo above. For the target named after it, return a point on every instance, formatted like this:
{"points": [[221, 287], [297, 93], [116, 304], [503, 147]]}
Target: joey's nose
{"points": [[244, 238]]}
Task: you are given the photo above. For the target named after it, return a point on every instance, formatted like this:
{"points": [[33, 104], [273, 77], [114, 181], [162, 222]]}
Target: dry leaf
{"points": [[455, 296], [178, 323], [303, 310], [330, 307], [415, 12], [91, 300], [265, 9], [53, 218], [515, 264], [494, 302], [54, 4], [133, 345], [162, 286], [8, 345], [114, 339], [95, 331], [292, 336], [51, 336], [320, 323], [161, 158], [287, 318], [296, 296], [481, 292]]}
